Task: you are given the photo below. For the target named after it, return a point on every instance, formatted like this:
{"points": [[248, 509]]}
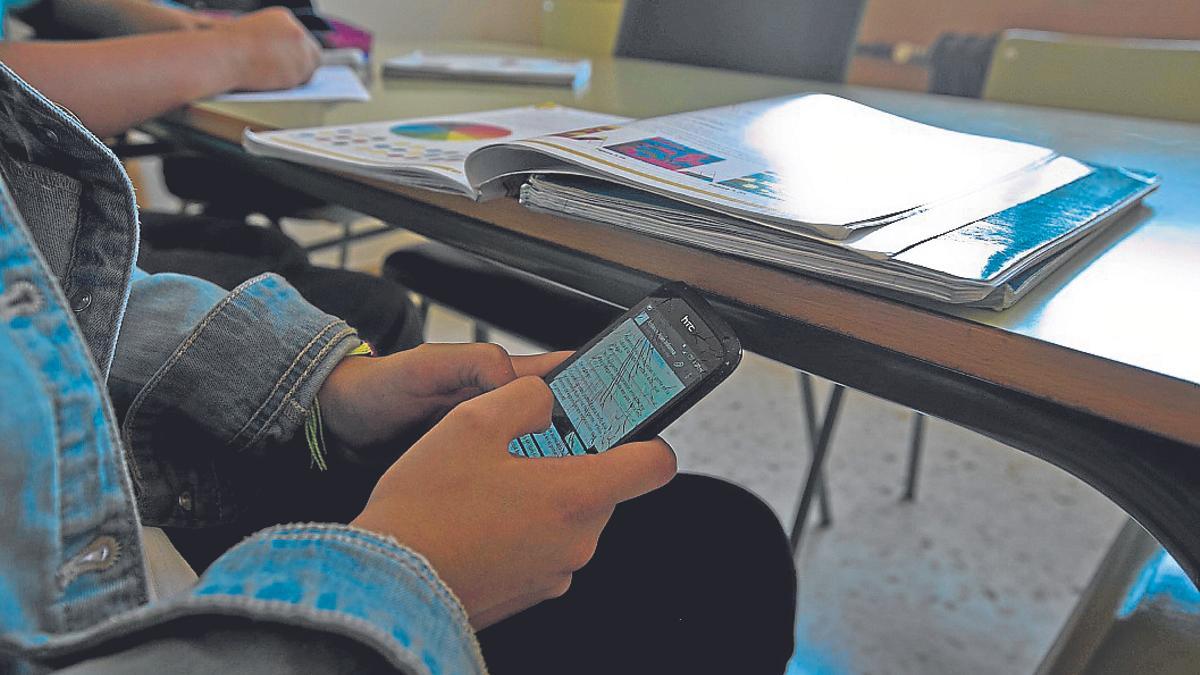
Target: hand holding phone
{"points": [[637, 376], [502, 532]]}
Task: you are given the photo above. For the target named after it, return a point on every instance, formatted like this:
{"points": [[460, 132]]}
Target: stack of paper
{"points": [[990, 262], [328, 83]]}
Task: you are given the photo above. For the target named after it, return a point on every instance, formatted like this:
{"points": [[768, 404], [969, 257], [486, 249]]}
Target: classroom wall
{"points": [[921, 21], [499, 20], [914, 21]]}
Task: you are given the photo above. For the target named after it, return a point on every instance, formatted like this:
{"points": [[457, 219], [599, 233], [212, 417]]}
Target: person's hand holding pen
{"points": [[267, 49], [270, 48]]}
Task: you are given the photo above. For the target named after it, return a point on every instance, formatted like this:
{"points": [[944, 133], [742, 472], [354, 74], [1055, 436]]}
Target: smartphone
{"points": [[636, 377]]}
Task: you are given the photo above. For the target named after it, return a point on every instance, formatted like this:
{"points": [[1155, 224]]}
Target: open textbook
{"points": [[812, 182], [429, 153]]}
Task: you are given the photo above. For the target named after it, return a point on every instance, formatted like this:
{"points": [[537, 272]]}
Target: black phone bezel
{"points": [[663, 417]]}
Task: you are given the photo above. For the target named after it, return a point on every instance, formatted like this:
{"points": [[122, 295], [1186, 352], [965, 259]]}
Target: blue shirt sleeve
{"points": [[331, 580], [348, 581]]}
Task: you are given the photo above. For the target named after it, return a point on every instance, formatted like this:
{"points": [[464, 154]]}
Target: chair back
{"points": [[1147, 78], [807, 39], [581, 26]]}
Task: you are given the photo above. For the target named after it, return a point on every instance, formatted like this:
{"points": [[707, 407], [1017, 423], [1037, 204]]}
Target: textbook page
{"points": [[812, 160], [427, 152], [328, 83]]}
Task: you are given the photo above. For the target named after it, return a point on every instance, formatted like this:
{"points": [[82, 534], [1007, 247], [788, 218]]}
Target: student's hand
{"points": [[272, 49], [369, 402], [506, 532]]}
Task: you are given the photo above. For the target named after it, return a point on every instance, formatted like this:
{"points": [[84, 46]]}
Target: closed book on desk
{"points": [[491, 68]]}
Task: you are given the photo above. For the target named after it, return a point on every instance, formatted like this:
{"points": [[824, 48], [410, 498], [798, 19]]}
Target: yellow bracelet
{"points": [[364, 349]]}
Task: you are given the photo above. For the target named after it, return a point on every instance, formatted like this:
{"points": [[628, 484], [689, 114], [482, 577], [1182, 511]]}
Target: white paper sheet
{"points": [[328, 83]]}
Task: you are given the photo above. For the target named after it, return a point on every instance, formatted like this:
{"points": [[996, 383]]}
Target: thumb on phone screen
{"points": [[621, 473]]}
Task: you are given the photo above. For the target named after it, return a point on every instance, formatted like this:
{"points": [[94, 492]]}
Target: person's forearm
{"points": [[112, 18], [113, 84]]}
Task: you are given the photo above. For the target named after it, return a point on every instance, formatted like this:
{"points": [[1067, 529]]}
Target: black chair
{"points": [[810, 39], [806, 39], [549, 315]]}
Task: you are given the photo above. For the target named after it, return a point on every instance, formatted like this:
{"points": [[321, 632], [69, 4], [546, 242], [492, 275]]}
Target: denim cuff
{"points": [[245, 374], [250, 369], [347, 581]]}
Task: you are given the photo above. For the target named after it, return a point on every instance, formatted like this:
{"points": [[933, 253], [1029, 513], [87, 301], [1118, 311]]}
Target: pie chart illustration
{"points": [[450, 131]]}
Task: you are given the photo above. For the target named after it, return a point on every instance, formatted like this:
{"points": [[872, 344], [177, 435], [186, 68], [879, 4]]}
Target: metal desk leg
{"points": [[810, 419], [344, 247], [820, 450], [916, 444]]}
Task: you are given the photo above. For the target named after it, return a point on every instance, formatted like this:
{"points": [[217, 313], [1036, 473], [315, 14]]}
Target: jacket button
{"points": [[185, 501], [81, 303]]}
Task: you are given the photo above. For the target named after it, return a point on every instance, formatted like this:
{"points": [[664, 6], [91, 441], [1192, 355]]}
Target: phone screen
{"points": [[649, 359]]}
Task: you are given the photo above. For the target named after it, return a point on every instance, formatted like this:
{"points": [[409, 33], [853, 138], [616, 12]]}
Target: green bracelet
{"points": [[314, 433], [314, 428]]}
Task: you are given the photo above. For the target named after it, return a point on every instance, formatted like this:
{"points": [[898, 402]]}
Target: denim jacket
{"points": [[243, 367]]}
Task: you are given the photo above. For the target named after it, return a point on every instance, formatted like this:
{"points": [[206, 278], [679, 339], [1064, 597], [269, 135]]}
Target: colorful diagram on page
{"points": [[450, 131], [764, 184], [377, 144], [665, 153]]}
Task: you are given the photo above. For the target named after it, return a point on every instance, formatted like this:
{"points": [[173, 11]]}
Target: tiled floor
{"points": [[975, 577]]}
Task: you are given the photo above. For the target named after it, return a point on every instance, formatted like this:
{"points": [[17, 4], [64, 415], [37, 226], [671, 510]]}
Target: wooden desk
{"points": [[1097, 370]]}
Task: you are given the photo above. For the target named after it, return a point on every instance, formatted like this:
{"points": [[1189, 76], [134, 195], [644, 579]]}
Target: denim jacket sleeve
{"points": [[314, 591], [201, 374]]}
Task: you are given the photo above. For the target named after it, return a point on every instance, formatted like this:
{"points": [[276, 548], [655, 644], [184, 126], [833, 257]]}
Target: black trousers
{"points": [[696, 577]]}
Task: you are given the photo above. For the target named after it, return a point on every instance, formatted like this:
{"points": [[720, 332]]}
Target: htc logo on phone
{"points": [[688, 322]]}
